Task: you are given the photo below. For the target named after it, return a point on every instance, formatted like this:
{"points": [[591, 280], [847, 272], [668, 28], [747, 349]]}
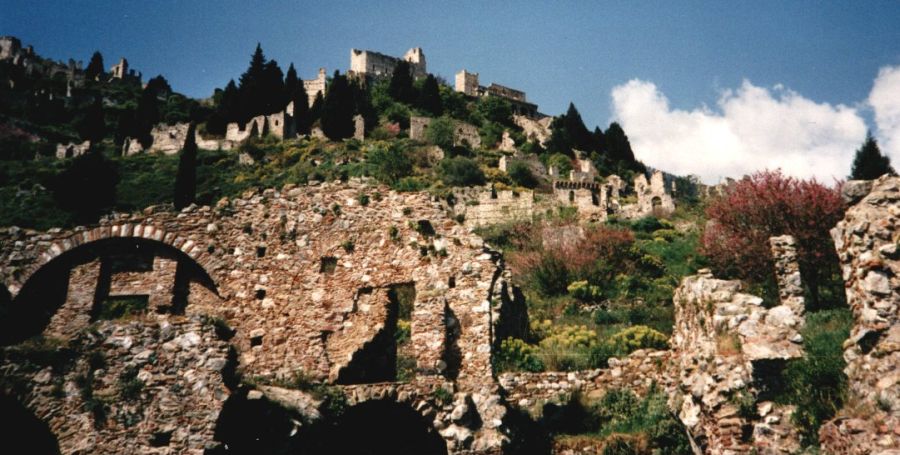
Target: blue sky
{"points": [[693, 54]]}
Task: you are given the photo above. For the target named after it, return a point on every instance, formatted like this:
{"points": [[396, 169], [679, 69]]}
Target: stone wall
{"points": [[464, 134], [72, 149], [170, 139], [374, 64], [141, 386], [866, 243], [259, 264], [313, 87], [653, 198], [726, 347], [499, 206], [637, 372]]}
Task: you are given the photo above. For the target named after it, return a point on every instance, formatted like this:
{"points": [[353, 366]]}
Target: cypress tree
{"points": [[186, 178], [869, 163], [430, 98], [95, 66], [252, 96], [337, 111], [272, 89], [401, 85], [227, 106], [618, 145], [291, 84], [579, 135], [315, 111]]}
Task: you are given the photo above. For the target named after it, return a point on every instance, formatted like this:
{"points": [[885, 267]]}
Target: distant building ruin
{"points": [[376, 65], [313, 87], [467, 84], [121, 71]]}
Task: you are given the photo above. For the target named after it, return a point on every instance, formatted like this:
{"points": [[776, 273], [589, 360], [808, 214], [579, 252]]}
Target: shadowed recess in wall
{"points": [[104, 279], [23, 432]]}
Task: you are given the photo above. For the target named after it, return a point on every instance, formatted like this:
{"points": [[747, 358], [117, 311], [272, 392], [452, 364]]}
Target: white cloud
{"points": [[885, 101], [753, 128]]}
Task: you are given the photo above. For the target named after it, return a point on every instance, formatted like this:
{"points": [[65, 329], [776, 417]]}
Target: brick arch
{"points": [[191, 247]]}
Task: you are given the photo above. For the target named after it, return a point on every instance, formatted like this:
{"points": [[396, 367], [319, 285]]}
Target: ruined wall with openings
{"points": [[726, 348], [867, 245], [298, 280]]}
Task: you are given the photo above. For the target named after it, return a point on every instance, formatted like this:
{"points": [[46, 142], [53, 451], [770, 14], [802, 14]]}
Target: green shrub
{"points": [[817, 383], [440, 132], [389, 162], [517, 355], [634, 338], [460, 171], [568, 348], [585, 292], [521, 174], [622, 413], [647, 224], [562, 163]]}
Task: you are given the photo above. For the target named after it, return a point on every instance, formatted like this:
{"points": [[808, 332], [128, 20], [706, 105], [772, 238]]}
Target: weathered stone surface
{"points": [[259, 271], [866, 242], [721, 338]]}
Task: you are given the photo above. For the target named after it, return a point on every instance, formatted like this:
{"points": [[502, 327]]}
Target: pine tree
{"points": [[401, 85], [430, 97], [337, 111], [362, 104], [618, 145], [95, 66], [186, 178], [869, 163]]}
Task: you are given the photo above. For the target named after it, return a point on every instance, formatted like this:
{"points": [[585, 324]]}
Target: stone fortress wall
{"points": [[375, 64]]}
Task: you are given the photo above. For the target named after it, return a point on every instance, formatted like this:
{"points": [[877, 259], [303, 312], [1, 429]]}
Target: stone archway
{"points": [[193, 248], [71, 290]]}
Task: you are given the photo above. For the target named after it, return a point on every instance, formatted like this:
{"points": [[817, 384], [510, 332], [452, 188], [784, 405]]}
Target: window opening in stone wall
{"points": [[121, 306], [260, 251], [403, 296], [139, 258], [327, 264], [571, 196]]}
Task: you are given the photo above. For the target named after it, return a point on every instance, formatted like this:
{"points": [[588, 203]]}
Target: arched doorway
{"points": [[100, 280]]}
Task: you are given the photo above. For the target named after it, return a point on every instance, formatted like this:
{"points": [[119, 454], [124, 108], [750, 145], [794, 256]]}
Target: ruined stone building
{"points": [[11, 50], [170, 332], [595, 200], [467, 84], [72, 149], [122, 71], [315, 86], [464, 134], [377, 65]]}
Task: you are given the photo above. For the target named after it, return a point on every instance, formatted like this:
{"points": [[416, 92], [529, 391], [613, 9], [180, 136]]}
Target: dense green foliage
{"points": [[817, 383], [869, 163]]}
